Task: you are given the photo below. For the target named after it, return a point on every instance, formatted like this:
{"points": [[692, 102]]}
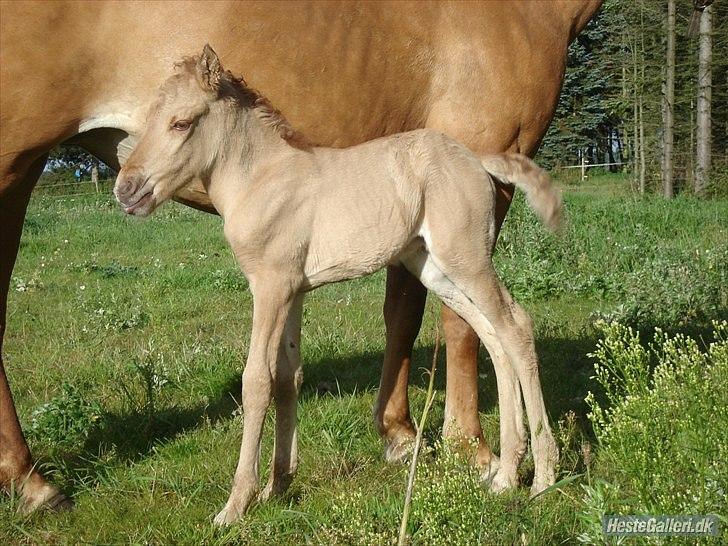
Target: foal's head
{"points": [[197, 113]]}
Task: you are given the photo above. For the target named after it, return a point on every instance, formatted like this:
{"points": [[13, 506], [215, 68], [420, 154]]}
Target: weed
{"points": [[67, 420], [32, 284], [109, 270], [661, 430]]}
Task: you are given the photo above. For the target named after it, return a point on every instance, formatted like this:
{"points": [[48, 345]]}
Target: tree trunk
{"points": [[643, 161], [704, 103], [691, 165], [635, 117], [669, 104]]}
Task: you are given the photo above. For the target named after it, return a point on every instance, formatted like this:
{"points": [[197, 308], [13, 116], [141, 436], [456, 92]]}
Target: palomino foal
{"points": [[298, 217]]}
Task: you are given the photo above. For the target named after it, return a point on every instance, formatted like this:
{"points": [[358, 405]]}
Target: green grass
{"points": [[126, 340]]}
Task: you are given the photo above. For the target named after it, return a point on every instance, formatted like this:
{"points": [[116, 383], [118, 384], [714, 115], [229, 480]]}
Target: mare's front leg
{"points": [[287, 382], [17, 469], [272, 302]]}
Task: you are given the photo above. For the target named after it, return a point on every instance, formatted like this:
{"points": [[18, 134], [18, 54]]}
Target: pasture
{"points": [[126, 341]]}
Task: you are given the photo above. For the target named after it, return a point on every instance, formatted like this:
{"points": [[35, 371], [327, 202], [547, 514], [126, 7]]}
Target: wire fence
{"points": [[73, 189]]}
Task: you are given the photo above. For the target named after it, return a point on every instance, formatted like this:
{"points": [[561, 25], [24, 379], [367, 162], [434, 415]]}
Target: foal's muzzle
{"points": [[134, 193]]}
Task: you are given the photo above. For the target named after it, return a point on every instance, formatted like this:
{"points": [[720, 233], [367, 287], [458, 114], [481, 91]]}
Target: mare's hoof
{"points": [[47, 498], [400, 451]]}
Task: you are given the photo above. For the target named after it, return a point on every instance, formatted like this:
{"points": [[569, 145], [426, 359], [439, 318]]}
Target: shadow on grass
{"points": [[565, 377]]}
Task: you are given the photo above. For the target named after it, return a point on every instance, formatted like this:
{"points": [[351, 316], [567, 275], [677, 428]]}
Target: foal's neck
{"points": [[248, 143]]}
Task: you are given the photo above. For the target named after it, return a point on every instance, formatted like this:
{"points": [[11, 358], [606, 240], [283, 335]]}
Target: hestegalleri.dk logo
{"points": [[661, 525]]}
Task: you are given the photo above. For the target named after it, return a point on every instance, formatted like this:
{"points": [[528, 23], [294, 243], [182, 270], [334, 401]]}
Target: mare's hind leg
{"points": [[492, 313], [286, 384], [16, 465]]}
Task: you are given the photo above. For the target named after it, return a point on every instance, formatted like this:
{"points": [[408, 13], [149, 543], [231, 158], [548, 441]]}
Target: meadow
{"points": [[126, 340]]}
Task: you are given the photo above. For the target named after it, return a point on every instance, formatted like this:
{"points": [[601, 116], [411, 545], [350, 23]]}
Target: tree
{"points": [[704, 103], [65, 158], [668, 104], [585, 121]]}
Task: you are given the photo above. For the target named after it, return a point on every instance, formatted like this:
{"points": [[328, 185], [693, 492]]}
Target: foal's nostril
{"points": [[124, 188]]}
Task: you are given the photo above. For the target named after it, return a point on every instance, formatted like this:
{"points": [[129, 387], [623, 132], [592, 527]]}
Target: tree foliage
{"points": [[63, 161], [618, 62]]}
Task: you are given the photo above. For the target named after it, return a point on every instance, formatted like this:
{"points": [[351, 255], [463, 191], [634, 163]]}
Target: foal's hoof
{"points": [[275, 487], [47, 497], [503, 482], [540, 484], [226, 516], [489, 471]]}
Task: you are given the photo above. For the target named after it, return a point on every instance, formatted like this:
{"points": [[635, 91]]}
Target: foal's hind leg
{"points": [[286, 384], [501, 474], [462, 421], [514, 329], [520, 346], [498, 315]]}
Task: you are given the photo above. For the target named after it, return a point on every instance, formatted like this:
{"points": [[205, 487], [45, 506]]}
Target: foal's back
{"points": [[371, 200]]}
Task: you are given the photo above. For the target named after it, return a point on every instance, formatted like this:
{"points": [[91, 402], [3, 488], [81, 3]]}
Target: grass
{"points": [[126, 341]]}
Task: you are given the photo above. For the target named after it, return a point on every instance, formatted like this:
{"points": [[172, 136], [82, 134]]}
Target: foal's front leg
{"points": [[271, 306], [286, 384]]}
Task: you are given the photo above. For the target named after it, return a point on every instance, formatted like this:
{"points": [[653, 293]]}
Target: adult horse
{"points": [[487, 74]]}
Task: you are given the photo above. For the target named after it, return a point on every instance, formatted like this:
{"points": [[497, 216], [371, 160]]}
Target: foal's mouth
{"points": [[139, 204]]}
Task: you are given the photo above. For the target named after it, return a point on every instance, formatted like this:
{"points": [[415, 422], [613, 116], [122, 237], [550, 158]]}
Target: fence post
{"points": [[95, 176], [583, 167]]}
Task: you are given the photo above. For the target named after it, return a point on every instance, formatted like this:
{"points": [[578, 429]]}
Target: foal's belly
{"points": [[345, 258]]}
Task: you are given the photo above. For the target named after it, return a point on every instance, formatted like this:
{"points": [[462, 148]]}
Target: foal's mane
{"points": [[236, 89]]}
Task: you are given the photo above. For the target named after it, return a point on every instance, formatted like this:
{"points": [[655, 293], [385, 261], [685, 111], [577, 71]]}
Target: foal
{"points": [[298, 217]]}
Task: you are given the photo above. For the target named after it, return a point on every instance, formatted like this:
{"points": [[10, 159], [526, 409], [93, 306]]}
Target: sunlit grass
{"points": [[149, 322]]}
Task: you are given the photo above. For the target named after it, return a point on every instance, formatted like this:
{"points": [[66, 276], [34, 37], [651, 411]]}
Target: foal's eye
{"points": [[181, 125]]}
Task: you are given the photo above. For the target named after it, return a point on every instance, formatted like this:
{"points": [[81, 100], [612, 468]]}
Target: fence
{"points": [[72, 189], [584, 166]]}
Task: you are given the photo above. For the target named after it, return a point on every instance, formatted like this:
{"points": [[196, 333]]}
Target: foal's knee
{"points": [[257, 391]]}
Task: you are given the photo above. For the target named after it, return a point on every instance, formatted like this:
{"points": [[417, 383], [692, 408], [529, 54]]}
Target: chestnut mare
{"points": [[487, 74]]}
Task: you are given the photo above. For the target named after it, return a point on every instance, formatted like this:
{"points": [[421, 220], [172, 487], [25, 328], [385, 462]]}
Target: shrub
{"points": [[451, 506], [660, 425], [644, 260], [675, 293]]}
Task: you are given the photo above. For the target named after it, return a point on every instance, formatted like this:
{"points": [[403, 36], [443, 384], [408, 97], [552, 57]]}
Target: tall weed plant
{"points": [[660, 423]]}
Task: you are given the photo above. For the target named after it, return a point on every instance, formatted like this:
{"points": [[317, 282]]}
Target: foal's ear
{"points": [[209, 70]]}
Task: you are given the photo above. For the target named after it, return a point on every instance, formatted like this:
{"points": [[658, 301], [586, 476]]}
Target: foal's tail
{"points": [[519, 170]]}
